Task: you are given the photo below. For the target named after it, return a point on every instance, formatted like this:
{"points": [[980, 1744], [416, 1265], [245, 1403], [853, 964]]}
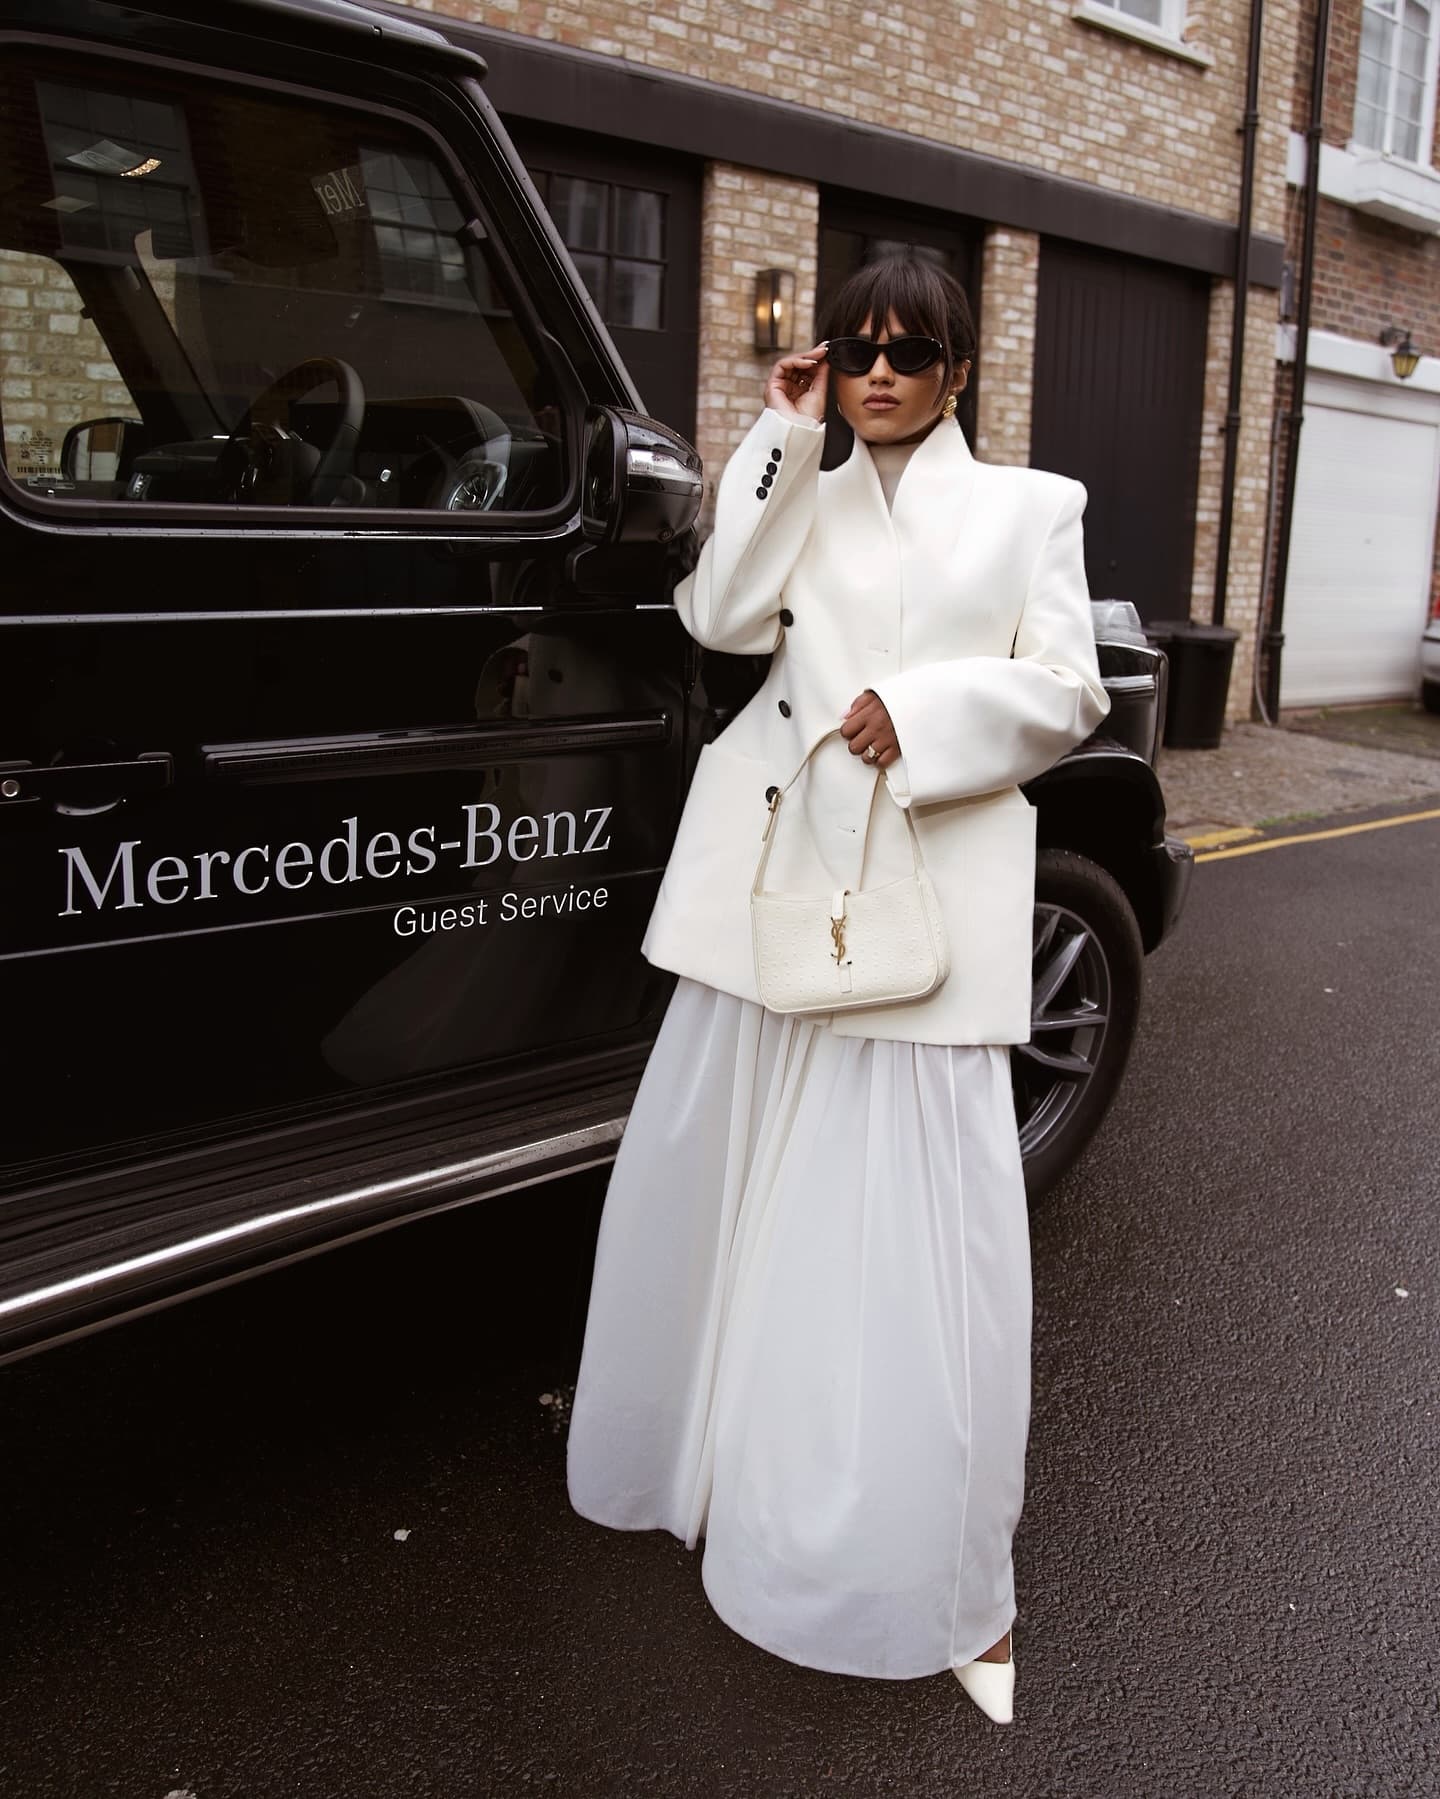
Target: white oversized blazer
{"points": [[967, 611]]}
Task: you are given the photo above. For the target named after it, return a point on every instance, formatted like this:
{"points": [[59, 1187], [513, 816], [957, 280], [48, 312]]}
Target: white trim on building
{"points": [[1406, 193], [1332, 354], [1159, 23]]}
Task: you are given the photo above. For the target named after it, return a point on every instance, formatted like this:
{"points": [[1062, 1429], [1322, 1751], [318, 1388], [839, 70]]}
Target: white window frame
{"points": [[1172, 16], [1169, 35], [1427, 116]]}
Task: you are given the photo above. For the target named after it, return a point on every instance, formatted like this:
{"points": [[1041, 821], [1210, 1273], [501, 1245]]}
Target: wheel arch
{"points": [[1105, 802]]}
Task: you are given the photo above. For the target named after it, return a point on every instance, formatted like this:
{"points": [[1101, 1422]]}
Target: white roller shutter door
{"points": [[1364, 532]]}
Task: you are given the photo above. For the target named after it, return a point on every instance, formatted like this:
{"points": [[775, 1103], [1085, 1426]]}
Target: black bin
{"points": [[1200, 658]]}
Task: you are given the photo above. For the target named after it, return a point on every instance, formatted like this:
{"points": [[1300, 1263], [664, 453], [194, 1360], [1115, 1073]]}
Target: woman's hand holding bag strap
{"points": [[876, 946]]}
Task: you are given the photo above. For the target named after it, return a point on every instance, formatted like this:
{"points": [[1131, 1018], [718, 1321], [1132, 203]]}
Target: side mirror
{"points": [[93, 450], [642, 483]]}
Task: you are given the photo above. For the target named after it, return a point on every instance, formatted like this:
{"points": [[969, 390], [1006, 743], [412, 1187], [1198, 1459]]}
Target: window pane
{"points": [[635, 295], [1405, 140], [1151, 11], [310, 268], [1409, 100], [1370, 127], [1373, 84], [1376, 37], [1372, 87], [1415, 41], [579, 211], [639, 223]]}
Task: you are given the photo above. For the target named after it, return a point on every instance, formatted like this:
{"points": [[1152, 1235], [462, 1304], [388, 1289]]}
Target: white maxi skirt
{"points": [[809, 1335]]}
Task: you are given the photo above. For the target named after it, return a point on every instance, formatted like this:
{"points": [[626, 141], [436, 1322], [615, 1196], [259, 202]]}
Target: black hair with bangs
{"points": [[926, 300]]}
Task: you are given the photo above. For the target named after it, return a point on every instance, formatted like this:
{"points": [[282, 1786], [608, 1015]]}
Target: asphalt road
{"points": [[1227, 1567]]}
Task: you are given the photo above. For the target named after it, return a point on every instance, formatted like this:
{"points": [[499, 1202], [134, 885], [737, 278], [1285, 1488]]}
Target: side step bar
{"points": [[150, 1254]]}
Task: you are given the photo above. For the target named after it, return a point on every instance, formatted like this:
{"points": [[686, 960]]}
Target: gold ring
{"points": [[872, 754]]}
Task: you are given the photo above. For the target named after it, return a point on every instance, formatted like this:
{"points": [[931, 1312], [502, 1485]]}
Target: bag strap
{"points": [[837, 908]]}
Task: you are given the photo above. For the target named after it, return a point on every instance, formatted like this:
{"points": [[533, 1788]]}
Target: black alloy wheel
{"points": [[1086, 971]]}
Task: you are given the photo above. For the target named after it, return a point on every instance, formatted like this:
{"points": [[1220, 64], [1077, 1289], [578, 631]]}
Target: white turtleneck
{"points": [[891, 461]]}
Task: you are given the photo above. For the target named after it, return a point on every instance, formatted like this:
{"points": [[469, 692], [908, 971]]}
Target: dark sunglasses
{"points": [[906, 355]]}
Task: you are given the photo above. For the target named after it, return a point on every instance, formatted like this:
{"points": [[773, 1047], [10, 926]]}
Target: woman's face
{"points": [[886, 408]]}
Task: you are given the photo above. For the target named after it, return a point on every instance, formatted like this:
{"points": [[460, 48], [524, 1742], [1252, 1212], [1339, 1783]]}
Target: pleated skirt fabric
{"points": [[809, 1335]]}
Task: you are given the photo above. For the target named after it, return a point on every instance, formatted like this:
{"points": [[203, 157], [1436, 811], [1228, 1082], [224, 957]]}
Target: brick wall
{"points": [[749, 221], [1246, 572], [1019, 79], [1005, 354], [1341, 67], [1369, 273]]}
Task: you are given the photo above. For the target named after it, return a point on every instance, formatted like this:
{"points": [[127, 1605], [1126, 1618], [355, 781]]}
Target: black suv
{"points": [[344, 717]]}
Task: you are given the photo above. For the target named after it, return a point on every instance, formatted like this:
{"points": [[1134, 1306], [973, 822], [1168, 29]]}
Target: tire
{"points": [[1088, 961], [1430, 695]]}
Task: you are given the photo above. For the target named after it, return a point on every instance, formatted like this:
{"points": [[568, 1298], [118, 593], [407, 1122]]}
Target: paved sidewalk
{"points": [[1314, 765]]}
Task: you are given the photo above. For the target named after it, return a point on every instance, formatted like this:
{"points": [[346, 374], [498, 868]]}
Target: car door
{"points": [[329, 777]]}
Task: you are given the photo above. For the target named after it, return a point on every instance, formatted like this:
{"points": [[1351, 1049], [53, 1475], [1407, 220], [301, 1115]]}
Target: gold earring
{"points": [[947, 411]]}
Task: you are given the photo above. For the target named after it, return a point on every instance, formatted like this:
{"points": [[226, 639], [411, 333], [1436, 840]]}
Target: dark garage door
{"points": [[1119, 392], [632, 224]]}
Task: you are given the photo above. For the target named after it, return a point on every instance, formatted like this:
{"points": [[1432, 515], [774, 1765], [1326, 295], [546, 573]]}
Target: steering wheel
{"points": [[266, 463], [474, 480]]}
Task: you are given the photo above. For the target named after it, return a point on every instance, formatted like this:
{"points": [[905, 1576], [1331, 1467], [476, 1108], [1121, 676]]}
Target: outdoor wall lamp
{"points": [[1404, 357], [774, 310]]}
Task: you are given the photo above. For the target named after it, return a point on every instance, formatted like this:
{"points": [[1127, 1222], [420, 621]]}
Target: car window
{"points": [[211, 295]]}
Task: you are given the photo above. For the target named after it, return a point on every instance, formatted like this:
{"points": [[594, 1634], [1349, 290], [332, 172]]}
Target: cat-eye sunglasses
{"points": [[906, 355]]}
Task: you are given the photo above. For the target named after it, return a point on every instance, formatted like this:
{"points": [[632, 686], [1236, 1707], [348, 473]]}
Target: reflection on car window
{"points": [[54, 370], [212, 296], [616, 236]]}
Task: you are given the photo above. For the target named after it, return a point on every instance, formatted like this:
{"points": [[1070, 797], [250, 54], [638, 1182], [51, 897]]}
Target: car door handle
{"points": [[23, 783]]}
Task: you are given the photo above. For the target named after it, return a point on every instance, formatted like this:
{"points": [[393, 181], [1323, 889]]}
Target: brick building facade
{"points": [[1064, 123]]}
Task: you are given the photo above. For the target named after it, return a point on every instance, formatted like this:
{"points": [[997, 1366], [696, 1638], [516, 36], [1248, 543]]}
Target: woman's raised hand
{"points": [[798, 384]]}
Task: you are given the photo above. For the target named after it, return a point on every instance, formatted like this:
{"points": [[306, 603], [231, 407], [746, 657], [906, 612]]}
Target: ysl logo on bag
{"points": [[837, 923]]}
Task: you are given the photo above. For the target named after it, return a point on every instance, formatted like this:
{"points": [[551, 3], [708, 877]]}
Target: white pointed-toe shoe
{"points": [[992, 1686]]}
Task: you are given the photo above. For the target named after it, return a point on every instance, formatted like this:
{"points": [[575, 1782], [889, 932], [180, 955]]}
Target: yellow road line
{"points": [[1278, 843], [1212, 840]]}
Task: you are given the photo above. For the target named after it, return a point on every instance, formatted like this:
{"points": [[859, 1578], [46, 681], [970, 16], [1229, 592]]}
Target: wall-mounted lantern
{"points": [[1404, 357], [774, 310]]}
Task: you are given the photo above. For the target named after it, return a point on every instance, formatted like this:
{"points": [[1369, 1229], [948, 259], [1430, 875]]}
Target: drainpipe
{"points": [[1275, 636], [1250, 127]]}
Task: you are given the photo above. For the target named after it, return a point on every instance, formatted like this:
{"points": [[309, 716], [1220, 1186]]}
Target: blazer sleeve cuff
{"points": [[764, 510], [897, 779]]}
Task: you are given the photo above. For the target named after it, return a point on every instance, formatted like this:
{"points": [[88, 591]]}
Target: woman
{"points": [[809, 1332]]}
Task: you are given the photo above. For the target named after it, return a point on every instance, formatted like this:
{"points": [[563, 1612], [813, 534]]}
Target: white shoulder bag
{"points": [[877, 946]]}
